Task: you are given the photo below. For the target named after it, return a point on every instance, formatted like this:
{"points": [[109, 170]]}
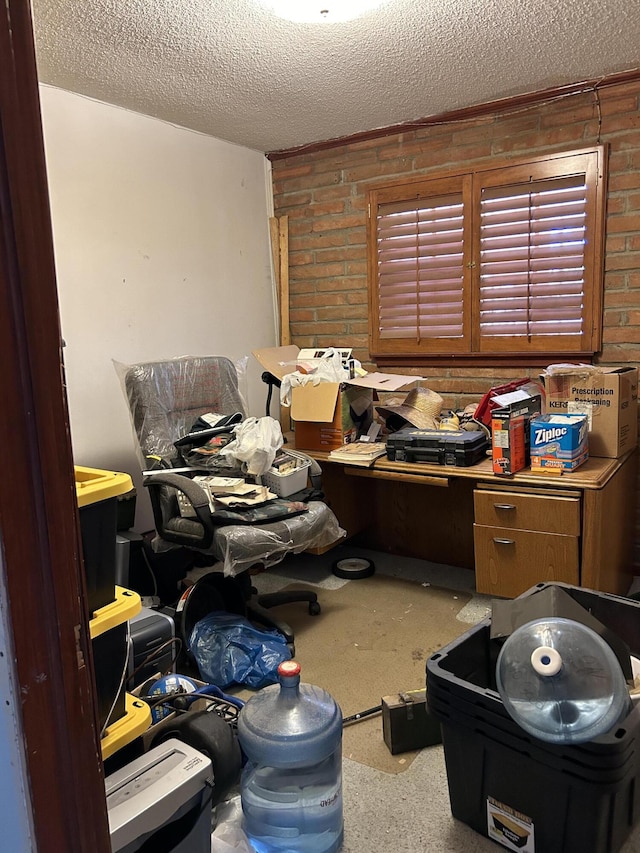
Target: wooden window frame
{"points": [[470, 349]]}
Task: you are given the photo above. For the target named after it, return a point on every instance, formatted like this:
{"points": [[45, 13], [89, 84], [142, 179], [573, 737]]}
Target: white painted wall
{"points": [[162, 249]]}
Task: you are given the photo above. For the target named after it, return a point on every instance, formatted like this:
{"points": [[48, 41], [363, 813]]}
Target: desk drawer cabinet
{"points": [[522, 539]]}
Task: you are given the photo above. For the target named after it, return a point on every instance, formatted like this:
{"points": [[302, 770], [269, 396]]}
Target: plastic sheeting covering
{"points": [[239, 547], [165, 399]]}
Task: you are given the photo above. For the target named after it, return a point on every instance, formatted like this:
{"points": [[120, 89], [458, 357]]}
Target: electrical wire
{"points": [[489, 117], [145, 559], [227, 711], [157, 653], [123, 679]]}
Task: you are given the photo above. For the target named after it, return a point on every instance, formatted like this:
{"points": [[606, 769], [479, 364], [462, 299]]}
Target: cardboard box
{"points": [[510, 434], [326, 415], [559, 441], [607, 395]]}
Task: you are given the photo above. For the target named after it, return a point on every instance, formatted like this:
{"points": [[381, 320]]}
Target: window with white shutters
{"points": [[496, 262]]}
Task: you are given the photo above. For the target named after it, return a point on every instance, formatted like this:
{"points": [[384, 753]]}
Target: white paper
{"points": [[511, 397]]}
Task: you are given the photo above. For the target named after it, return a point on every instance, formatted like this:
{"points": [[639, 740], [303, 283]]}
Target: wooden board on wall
{"points": [[279, 235]]}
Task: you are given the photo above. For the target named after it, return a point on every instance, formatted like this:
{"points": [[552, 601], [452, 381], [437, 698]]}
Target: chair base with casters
{"points": [[215, 591], [259, 605]]}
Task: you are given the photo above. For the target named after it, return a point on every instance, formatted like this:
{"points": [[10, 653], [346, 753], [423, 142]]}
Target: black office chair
{"points": [[165, 399]]}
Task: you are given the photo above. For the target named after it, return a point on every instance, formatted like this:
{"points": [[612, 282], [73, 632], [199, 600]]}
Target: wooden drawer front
{"points": [[508, 562], [518, 510]]}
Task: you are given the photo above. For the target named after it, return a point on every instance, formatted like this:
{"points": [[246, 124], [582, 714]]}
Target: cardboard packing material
{"points": [[607, 395], [329, 414]]}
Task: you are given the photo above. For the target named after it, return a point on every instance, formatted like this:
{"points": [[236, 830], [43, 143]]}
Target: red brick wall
{"points": [[323, 193]]}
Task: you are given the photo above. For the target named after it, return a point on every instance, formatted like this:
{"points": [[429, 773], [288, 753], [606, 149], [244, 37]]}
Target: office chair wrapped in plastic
{"points": [[165, 399]]}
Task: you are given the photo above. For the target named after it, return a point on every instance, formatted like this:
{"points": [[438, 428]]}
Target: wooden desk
{"points": [[513, 531]]}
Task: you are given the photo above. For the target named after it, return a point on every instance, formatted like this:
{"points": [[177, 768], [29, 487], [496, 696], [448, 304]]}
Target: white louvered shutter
{"points": [[532, 259], [421, 268]]}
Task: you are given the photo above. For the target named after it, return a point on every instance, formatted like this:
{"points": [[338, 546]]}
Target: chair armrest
{"points": [[198, 498]]}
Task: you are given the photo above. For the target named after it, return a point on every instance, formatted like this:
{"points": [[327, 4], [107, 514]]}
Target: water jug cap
{"points": [[288, 668], [546, 660]]}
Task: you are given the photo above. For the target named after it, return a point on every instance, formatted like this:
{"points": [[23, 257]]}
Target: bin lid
{"points": [[124, 606], [136, 720], [93, 484]]}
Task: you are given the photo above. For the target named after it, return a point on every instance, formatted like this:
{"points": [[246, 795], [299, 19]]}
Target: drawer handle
{"points": [[504, 541], [504, 506]]}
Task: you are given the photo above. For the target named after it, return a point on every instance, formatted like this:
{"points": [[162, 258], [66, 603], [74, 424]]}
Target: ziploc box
{"points": [[559, 441], [607, 395], [510, 434]]}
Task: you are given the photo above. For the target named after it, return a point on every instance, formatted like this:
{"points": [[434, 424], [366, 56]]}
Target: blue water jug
{"points": [[291, 787], [561, 682]]}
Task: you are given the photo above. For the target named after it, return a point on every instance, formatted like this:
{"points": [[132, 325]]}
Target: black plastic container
{"points": [[97, 493], [109, 632], [98, 526], [439, 447], [510, 786], [109, 659]]}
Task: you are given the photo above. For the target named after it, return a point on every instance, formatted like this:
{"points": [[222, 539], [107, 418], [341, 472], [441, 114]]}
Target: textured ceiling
{"points": [[232, 69]]}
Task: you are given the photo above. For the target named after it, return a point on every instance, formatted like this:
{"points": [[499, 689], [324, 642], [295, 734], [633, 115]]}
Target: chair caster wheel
{"points": [[314, 608]]}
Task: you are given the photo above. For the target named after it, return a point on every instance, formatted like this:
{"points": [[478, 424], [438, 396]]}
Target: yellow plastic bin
{"points": [[109, 632], [97, 492], [135, 721]]}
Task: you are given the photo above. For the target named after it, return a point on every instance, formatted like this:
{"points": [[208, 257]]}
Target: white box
{"points": [[287, 484]]}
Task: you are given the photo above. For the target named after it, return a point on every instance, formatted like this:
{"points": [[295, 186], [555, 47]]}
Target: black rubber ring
{"points": [[340, 569]]}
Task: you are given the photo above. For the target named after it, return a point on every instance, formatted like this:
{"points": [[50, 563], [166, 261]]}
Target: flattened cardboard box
{"points": [[609, 398]]}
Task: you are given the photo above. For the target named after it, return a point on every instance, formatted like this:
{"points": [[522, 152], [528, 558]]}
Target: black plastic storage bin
{"points": [[97, 493], [109, 632], [522, 792]]}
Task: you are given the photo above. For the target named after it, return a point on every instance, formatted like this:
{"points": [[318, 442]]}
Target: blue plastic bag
{"points": [[230, 650]]}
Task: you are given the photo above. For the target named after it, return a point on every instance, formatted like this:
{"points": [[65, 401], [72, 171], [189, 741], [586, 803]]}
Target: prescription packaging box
{"points": [[510, 434], [559, 441], [607, 395]]}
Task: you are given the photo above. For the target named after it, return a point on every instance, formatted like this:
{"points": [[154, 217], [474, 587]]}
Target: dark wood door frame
{"points": [[39, 530]]}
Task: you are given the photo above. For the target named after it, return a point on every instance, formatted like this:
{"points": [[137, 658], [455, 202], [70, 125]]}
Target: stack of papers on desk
{"points": [[361, 453]]}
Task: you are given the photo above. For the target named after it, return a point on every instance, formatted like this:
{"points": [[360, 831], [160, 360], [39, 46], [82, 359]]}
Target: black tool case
{"points": [[440, 447]]}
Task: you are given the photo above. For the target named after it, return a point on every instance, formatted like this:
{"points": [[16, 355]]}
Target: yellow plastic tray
{"points": [[136, 720], [93, 484], [125, 605]]}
